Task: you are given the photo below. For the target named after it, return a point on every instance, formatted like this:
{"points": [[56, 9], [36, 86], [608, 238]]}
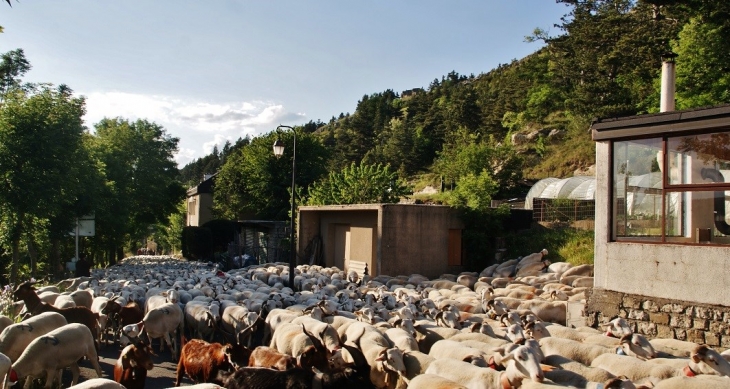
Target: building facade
{"points": [[662, 243], [390, 239]]}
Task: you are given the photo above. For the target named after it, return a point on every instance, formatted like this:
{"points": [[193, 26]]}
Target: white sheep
{"points": [[703, 360], [102, 383], [162, 321], [574, 373], [199, 320], [5, 364], [401, 339], [16, 337], [56, 350], [456, 350], [416, 363], [634, 369], [579, 352], [699, 382], [433, 381], [521, 363]]}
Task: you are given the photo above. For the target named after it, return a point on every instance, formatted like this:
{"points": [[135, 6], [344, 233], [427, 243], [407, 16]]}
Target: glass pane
{"points": [[699, 159], [698, 217], [637, 188]]}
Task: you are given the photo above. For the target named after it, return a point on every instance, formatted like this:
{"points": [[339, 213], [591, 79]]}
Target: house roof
{"points": [[707, 118], [206, 186]]}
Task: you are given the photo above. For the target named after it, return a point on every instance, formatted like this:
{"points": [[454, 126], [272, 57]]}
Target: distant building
{"points": [[200, 202], [391, 239], [410, 92]]}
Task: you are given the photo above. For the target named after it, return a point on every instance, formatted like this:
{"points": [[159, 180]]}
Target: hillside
{"points": [[529, 119]]}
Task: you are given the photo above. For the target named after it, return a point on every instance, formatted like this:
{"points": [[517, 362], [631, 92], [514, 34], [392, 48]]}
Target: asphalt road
{"points": [[161, 376]]}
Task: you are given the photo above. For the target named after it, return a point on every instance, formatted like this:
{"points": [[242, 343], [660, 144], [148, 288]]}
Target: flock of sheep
{"points": [[502, 328]]}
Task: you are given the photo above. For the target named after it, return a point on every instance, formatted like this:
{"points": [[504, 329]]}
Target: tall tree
{"points": [[253, 183], [40, 131], [141, 180], [13, 65]]}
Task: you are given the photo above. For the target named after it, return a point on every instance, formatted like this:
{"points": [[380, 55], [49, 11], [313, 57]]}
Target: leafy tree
{"points": [[170, 233], [466, 154], [13, 65], [141, 181], [363, 184], [702, 65], [40, 131], [255, 184], [474, 191]]}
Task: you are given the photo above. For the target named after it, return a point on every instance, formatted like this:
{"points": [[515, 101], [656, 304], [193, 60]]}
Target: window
{"points": [[684, 198]]}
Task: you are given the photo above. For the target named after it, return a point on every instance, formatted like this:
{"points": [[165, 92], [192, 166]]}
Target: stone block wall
{"points": [[662, 318]]}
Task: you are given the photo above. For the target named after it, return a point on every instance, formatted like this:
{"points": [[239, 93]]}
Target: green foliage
{"points": [[13, 65], [170, 236], [702, 76], [481, 227], [474, 191], [40, 131], [466, 154], [359, 184], [140, 188], [254, 184], [564, 244]]}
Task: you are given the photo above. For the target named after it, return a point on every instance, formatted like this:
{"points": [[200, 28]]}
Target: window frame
{"points": [[666, 189]]}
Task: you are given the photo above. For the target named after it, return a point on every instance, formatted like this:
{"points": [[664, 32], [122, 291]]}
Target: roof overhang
{"points": [[675, 122]]}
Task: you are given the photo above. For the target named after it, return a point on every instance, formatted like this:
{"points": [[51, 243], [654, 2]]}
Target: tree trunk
{"points": [[33, 254], [120, 255], [16, 260], [56, 268]]}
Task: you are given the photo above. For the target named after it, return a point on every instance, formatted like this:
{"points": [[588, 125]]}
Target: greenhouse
{"points": [[576, 188]]}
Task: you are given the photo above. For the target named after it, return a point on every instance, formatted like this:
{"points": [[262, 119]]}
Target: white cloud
{"points": [[199, 125]]}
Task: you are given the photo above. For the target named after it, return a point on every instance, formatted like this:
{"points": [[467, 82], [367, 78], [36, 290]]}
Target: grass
{"points": [[564, 244]]}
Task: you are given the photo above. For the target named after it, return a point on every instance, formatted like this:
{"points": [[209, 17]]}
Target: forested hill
{"points": [[530, 118]]}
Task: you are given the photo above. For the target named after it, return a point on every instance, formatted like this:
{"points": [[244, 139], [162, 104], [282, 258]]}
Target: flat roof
{"points": [[699, 119], [362, 207]]}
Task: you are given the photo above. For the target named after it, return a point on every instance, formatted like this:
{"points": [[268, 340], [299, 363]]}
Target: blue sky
{"points": [[211, 71]]}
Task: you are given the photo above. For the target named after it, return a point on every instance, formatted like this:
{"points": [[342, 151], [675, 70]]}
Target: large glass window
{"points": [[637, 188], [690, 204]]}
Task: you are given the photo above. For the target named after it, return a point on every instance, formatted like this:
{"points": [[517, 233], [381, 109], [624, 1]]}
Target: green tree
{"points": [[13, 65], [474, 191], [170, 233], [141, 181], [255, 184], [40, 131], [702, 64], [363, 184]]}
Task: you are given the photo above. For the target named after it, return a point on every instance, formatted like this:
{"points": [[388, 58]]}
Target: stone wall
{"points": [[662, 318]]}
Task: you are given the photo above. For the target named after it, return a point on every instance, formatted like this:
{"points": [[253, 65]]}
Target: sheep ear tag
{"points": [[696, 358]]}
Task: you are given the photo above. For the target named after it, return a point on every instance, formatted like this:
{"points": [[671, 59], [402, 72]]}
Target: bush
{"points": [[564, 244]]}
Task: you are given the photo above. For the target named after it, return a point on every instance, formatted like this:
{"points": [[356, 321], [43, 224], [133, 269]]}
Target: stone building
{"points": [[662, 257]]}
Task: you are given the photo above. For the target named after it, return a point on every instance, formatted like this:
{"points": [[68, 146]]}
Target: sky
{"points": [[214, 71]]}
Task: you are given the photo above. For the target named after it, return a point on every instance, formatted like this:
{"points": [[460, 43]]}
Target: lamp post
{"points": [[278, 152]]}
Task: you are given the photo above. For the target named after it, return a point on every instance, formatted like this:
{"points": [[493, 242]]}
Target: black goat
{"points": [[297, 378]]}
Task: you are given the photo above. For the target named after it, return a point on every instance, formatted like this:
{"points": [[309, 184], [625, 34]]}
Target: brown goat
{"points": [[208, 362], [122, 315], [263, 356], [34, 305], [132, 365]]}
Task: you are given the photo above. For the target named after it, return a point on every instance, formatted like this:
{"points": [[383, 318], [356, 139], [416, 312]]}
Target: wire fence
{"points": [[563, 210]]}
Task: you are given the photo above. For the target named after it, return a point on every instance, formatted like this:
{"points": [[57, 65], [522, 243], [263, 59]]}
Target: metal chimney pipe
{"points": [[666, 103]]}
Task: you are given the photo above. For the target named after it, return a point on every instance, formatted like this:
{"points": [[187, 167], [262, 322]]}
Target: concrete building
{"points": [[392, 239], [662, 247], [200, 202]]}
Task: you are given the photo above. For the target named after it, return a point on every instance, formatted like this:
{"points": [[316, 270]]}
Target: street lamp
{"points": [[278, 152]]}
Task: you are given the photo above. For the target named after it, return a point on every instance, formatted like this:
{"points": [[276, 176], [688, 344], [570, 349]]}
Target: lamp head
{"points": [[278, 148]]}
